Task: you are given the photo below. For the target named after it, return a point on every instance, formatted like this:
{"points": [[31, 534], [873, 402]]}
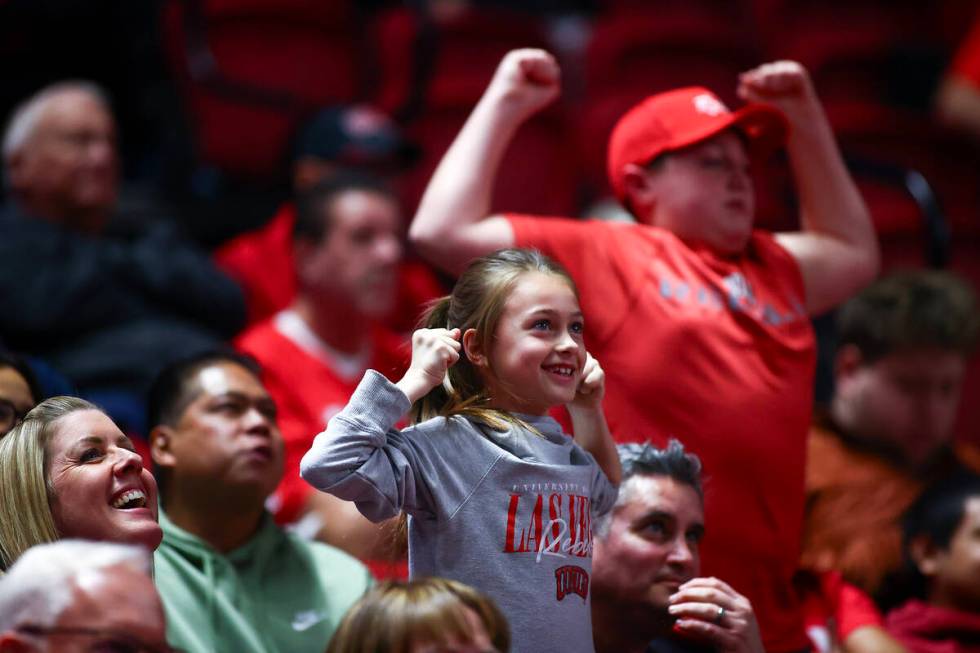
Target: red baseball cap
{"points": [[675, 119]]}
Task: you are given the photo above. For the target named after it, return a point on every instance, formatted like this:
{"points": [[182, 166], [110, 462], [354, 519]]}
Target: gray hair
{"points": [[24, 118], [39, 587], [646, 460]]}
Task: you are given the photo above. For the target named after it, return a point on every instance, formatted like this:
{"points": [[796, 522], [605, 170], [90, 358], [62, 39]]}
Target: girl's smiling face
{"points": [[537, 352]]}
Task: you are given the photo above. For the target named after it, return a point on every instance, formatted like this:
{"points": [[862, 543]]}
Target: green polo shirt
{"points": [[276, 594]]}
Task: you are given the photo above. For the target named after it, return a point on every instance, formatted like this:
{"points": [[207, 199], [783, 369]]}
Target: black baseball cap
{"points": [[355, 136]]}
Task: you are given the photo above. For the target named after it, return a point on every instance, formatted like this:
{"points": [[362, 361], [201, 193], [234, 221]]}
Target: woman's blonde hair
{"points": [[396, 615], [25, 493], [477, 302]]}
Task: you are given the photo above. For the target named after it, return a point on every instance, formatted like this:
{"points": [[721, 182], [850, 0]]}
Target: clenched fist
{"points": [[785, 85], [433, 352], [528, 80]]}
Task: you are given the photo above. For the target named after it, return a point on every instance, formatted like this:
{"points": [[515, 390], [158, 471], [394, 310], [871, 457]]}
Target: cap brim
{"points": [[764, 127]]}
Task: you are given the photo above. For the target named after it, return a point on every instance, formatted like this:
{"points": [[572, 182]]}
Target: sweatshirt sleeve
{"points": [[604, 493], [362, 458]]}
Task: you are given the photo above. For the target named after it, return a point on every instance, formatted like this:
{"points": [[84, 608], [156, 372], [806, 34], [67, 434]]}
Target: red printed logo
{"points": [[549, 525], [571, 580]]}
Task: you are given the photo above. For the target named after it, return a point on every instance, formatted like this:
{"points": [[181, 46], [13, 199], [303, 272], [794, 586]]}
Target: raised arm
{"points": [[452, 224], [361, 457], [836, 249]]}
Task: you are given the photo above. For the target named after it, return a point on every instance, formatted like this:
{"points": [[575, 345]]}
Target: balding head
{"points": [[73, 596], [59, 156]]}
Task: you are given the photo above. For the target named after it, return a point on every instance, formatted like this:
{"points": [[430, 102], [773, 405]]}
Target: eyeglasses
{"points": [[107, 641], [10, 416]]}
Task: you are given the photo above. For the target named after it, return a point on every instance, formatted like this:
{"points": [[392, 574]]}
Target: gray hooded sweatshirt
{"points": [[509, 513]]}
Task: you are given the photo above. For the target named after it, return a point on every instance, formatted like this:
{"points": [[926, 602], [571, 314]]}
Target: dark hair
{"points": [[910, 310], [938, 511], [312, 211], [672, 461], [22, 367], [477, 302], [172, 392], [935, 515], [647, 460]]}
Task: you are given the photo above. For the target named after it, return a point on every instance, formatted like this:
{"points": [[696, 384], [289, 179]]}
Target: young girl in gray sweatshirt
{"points": [[497, 496]]}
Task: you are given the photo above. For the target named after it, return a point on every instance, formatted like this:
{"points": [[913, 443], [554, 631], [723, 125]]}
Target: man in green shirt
{"points": [[230, 579]]}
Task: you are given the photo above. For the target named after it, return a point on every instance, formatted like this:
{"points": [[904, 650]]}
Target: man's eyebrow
{"points": [[230, 394], [655, 514], [241, 396]]}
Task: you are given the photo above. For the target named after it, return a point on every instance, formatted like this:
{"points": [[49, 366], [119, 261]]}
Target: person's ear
{"points": [[304, 254], [637, 185], [925, 554], [472, 348], [161, 438]]}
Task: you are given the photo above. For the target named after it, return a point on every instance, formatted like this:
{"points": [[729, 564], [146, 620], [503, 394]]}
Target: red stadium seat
{"points": [[460, 55], [251, 70]]}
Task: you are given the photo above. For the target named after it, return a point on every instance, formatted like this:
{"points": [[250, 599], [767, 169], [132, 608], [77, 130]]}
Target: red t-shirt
{"points": [[261, 261], [718, 353], [834, 609], [308, 393]]}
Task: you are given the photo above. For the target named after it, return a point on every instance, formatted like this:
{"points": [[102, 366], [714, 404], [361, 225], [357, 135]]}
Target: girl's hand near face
{"points": [[433, 352], [591, 387], [589, 422]]}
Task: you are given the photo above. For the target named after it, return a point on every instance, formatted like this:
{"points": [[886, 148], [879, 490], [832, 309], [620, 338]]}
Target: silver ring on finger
{"points": [[719, 616]]}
